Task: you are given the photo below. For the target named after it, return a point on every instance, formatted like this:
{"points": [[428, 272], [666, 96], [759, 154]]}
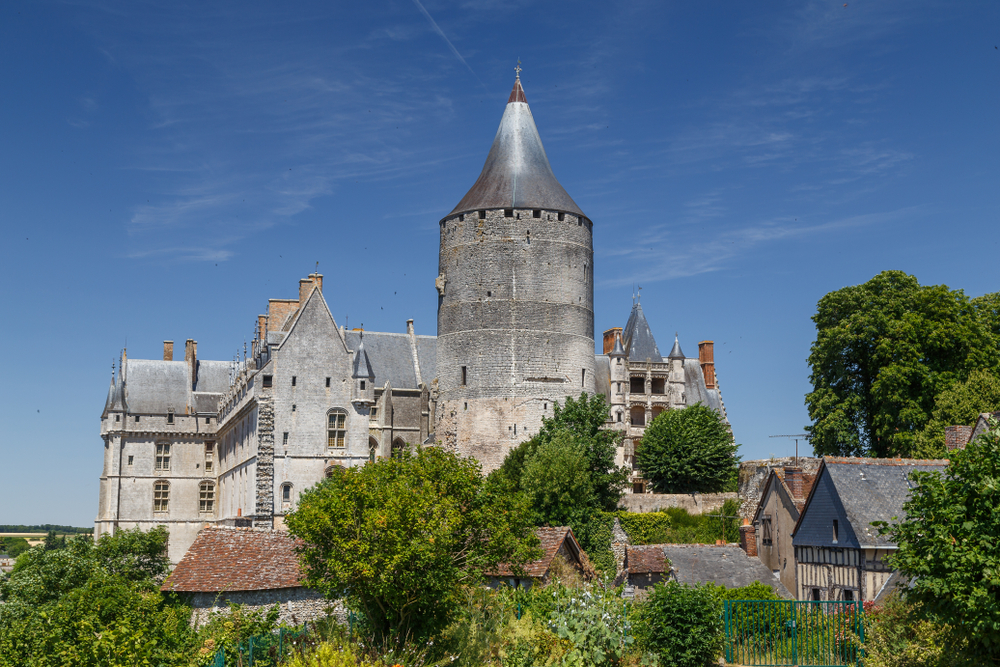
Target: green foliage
{"points": [[557, 483], [399, 538], [690, 450], [228, 630], [681, 625], [46, 527], [896, 636], [71, 607], [583, 419], [648, 528], [884, 351], [752, 591], [593, 620], [961, 403], [949, 545], [13, 546]]}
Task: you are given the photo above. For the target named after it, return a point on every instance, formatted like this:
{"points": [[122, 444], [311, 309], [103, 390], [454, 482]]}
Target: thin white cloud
{"points": [[447, 41]]}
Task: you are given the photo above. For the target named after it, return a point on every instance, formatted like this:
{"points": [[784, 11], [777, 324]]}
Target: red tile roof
{"points": [[237, 559], [551, 540], [646, 559]]}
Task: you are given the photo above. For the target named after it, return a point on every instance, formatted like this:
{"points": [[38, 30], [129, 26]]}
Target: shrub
{"points": [[896, 636], [680, 625]]}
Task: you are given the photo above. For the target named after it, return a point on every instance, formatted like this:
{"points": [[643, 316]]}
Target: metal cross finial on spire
{"points": [[639, 297], [518, 69]]}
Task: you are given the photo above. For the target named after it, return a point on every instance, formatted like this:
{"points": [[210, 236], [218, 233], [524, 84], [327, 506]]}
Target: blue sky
{"points": [[165, 168]]}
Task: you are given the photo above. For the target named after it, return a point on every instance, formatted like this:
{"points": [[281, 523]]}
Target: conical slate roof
{"points": [[362, 366], [676, 353], [618, 350], [639, 339], [517, 173]]}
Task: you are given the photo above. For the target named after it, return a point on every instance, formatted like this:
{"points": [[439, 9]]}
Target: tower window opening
{"points": [[118, 418], [137, 419], [130, 459], [545, 406], [562, 217], [515, 429], [482, 215], [267, 381], [465, 375], [293, 380], [284, 438], [579, 222], [461, 217], [489, 293], [362, 385], [536, 213], [583, 376], [293, 407], [508, 213], [328, 382], [170, 417]]}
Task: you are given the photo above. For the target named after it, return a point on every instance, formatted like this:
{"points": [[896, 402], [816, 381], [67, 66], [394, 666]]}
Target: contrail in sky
{"points": [[447, 41]]}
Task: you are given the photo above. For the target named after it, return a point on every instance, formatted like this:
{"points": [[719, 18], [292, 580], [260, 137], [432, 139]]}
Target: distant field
{"points": [[24, 531]]}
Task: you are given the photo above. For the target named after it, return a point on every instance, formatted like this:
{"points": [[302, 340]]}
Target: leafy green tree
{"points": [[13, 546], [681, 625], [400, 538], [949, 546], [690, 450], [961, 403], [557, 482], [884, 351], [584, 419], [52, 542]]}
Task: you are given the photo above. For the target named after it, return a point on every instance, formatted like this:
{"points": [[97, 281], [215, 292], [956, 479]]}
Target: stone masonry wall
{"points": [[264, 512], [297, 605], [694, 503]]}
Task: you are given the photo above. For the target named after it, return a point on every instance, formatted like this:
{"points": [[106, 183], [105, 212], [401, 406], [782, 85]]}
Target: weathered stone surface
{"points": [[694, 503]]}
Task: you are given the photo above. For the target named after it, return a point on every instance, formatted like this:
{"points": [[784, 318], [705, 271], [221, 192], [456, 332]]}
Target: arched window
{"points": [[206, 497], [372, 449], [330, 468], [336, 428], [161, 495], [286, 494], [638, 415], [398, 447]]}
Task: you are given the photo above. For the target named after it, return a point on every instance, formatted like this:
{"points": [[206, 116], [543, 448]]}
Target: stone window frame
{"points": [[161, 496], [336, 431], [286, 494], [162, 457], [766, 535], [397, 448], [206, 496]]}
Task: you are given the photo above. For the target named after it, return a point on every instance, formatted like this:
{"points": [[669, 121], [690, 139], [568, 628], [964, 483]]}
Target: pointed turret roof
{"points": [[362, 366], [618, 350], [676, 353], [639, 339], [517, 173], [119, 401]]}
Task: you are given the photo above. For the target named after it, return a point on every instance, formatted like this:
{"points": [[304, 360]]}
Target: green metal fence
{"points": [[267, 650], [794, 632]]}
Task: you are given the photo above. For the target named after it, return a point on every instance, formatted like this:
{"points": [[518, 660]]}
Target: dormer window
{"points": [[362, 385]]}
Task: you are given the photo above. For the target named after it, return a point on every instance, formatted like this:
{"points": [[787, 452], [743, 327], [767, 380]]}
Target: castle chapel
{"points": [[198, 441]]}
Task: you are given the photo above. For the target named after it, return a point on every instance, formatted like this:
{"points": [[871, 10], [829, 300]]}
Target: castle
{"points": [[234, 443]]}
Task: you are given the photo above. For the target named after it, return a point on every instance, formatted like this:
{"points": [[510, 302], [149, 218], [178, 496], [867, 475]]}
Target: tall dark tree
{"points": [[690, 450], [884, 351]]}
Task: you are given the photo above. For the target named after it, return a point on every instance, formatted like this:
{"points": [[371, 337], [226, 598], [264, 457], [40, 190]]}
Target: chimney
{"points": [[793, 479], [305, 289], [262, 328], [411, 333], [191, 357], [317, 279], [706, 357], [168, 350], [957, 437], [609, 338], [748, 538]]}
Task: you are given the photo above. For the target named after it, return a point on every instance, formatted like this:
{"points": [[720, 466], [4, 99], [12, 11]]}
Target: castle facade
{"points": [[234, 443]]}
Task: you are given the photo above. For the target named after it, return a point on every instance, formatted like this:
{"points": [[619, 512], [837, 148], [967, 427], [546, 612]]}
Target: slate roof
{"points": [[696, 391], [646, 559], [638, 338], [154, 386], [392, 360], [602, 375], [362, 365], [551, 539], [675, 351], [237, 559], [517, 173], [871, 490], [727, 565]]}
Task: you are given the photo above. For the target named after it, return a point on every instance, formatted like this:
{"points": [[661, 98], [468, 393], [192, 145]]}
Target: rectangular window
{"points": [[328, 382], [848, 596], [163, 456], [286, 494], [284, 438], [208, 466], [208, 420], [765, 530], [836, 531], [482, 215], [293, 407], [336, 429], [161, 496], [374, 412], [536, 213], [170, 417], [267, 380], [815, 594], [465, 375], [118, 418], [562, 216], [508, 213], [130, 459], [293, 380], [583, 376], [362, 385], [637, 385], [206, 497], [137, 419]]}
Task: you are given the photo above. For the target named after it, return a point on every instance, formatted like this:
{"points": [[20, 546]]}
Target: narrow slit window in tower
{"points": [[328, 382], [293, 380], [836, 530], [465, 375], [583, 376]]}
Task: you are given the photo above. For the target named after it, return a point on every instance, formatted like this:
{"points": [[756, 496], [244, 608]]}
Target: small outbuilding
{"points": [[255, 567], [554, 542]]}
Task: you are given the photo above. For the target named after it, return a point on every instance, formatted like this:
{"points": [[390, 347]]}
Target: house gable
{"points": [[815, 525]]}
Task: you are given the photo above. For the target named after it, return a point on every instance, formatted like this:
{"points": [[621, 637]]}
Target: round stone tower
{"points": [[516, 298]]}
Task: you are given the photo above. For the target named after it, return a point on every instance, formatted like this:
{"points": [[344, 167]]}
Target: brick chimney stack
{"points": [[748, 538], [706, 357], [609, 338], [191, 357], [957, 437], [168, 350], [793, 479]]}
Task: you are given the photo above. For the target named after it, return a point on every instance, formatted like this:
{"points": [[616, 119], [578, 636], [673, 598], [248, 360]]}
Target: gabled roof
{"points": [[638, 338], [517, 173], [727, 565], [551, 540], [237, 559], [391, 357], [776, 483], [869, 490]]}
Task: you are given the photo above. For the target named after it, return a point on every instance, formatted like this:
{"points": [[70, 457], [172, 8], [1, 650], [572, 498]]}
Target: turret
{"points": [[363, 377]]}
